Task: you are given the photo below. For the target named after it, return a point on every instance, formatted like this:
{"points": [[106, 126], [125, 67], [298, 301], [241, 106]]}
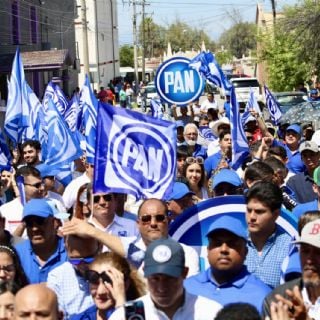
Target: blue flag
{"points": [[205, 63], [252, 104], [156, 108], [72, 112], [54, 92], [240, 148], [62, 147], [5, 155], [89, 106], [273, 106], [17, 113], [206, 133], [135, 153]]}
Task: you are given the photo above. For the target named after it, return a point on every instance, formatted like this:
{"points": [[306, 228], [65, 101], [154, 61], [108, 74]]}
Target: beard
{"points": [[191, 142]]}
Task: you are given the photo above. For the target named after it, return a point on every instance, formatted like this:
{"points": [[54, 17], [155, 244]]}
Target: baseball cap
{"points": [[47, 171], [228, 176], [37, 207], [295, 127], [309, 145], [310, 234], [316, 176], [179, 123], [228, 223], [179, 191], [165, 256]]}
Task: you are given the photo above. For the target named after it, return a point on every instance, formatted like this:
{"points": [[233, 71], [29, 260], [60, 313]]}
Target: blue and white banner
{"points": [[54, 92], [135, 153], [240, 148], [207, 134], [273, 106], [252, 104], [72, 113], [192, 226], [156, 108], [17, 111], [205, 63]]}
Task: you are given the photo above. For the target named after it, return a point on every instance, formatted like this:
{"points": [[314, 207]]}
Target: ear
{"points": [[185, 272], [276, 214], [315, 188]]}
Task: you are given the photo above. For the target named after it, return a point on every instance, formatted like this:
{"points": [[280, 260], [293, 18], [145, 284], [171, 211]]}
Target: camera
{"points": [[134, 310]]}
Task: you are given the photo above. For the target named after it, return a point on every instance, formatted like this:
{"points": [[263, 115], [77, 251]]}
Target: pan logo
{"points": [[178, 84]]}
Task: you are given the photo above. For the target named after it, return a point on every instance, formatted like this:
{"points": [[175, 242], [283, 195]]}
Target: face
{"points": [[101, 295], [226, 251], [34, 187], [30, 155], [291, 137], [194, 174], [6, 177], [150, 226], [249, 136], [259, 217], [89, 170], [49, 183], [7, 268], [210, 97], [6, 306], [104, 205], [180, 164], [178, 206], [310, 263], [191, 136], [180, 136], [225, 142], [225, 189], [158, 285], [204, 123], [40, 231], [310, 159], [184, 111]]}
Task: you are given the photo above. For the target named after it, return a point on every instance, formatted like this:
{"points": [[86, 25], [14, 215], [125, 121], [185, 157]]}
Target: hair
{"points": [[254, 146], [20, 278], [278, 151], [79, 205], [190, 126], [9, 286], [203, 174], [32, 143], [223, 133], [28, 171], [308, 216], [238, 311], [258, 171], [213, 113], [266, 192], [163, 203], [182, 151], [276, 165], [136, 287]]}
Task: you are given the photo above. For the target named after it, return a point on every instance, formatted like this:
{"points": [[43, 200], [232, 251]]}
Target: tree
{"points": [[126, 56]]}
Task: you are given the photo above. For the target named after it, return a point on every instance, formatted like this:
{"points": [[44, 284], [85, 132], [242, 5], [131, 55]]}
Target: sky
{"points": [[210, 15]]}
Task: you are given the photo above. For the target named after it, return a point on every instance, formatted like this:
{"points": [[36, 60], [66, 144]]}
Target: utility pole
{"points": [[143, 43], [135, 49], [85, 50]]}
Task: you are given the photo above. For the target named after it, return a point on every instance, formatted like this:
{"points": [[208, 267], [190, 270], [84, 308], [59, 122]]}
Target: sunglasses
{"points": [[148, 217], [77, 261], [191, 160], [106, 197], [93, 277], [30, 221], [35, 185], [8, 268]]}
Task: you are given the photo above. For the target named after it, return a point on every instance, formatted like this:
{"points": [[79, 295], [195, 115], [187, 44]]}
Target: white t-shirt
{"points": [[206, 105]]}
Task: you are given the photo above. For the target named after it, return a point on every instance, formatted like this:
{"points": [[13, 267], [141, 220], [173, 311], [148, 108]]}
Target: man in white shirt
{"points": [[164, 268], [209, 103]]}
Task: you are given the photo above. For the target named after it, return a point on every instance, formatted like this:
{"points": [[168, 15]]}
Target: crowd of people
{"points": [[69, 253]]}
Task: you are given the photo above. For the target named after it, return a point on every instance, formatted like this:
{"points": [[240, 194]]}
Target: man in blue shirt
{"points": [[44, 250], [227, 280]]}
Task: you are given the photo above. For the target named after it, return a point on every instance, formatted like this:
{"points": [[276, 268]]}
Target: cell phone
{"points": [[134, 310]]}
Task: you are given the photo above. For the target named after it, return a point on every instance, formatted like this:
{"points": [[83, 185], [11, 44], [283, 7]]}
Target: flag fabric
{"points": [[72, 112], [156, 108], [252, 104], [54, 92], [17, 113], [62, 148], [273, 106], [5, 155], [89, 107], [205, 63], [206, 133], [240, 148], [135, 154]]}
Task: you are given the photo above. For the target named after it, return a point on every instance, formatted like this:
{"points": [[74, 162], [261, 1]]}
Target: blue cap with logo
{"points": [[229, 223], [179, 191], [226, 176], [37, 207], [164, 256], [294, 127]]}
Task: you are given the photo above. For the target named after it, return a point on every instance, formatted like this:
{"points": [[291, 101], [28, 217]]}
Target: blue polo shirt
{"points": [[301, 208], [29, 261], [211, 163], [245, 287], [295, 163]]}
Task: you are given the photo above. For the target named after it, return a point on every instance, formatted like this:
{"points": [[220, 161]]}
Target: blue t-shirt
{"points": [[91, 314], [301, 208]]}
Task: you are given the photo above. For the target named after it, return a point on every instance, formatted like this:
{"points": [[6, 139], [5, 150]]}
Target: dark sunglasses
{"points": [[191, 160], [8, 268], [106, 197], [93, 277], [40, 221], [148, 217], [35, 185], [77, 261]]}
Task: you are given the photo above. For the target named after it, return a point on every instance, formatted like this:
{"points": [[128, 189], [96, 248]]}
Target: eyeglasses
{"points": [[8, 268], [106, 197], [35, 185], [93, 277], [77, 261], [40, 221], [191, 160], [148, 217]]}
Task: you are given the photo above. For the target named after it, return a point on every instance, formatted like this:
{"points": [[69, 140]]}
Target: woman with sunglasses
{"points": [[194, 172], [112, 282]]}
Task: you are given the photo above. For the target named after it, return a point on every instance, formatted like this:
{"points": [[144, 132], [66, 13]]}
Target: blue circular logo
{"points": [[178, 84]]}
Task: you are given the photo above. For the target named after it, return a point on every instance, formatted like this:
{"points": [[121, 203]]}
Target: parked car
{"points": [[287, 100], [146, 94]]}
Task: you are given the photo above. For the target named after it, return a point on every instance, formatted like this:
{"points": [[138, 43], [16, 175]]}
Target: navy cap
{"points": [[228, 176], [164, 256], [228, 223], [179, 191], [295, 127], [37, 207]]}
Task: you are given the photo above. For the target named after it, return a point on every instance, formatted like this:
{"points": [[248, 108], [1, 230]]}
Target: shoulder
{"points": [[88, 314]]}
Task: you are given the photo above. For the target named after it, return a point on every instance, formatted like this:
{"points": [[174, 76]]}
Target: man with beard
{"points": [[31, 150], [191, 136], [302, 296]]}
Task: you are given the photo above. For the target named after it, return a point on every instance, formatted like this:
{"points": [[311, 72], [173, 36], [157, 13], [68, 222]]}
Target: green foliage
{"points": [[126, 56], [223, 57]]}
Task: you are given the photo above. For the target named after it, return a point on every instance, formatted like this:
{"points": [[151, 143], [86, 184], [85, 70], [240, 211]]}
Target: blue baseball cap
{"points": [[294, 127], [179, 123], [37, 207], [228, 176], [179, 191], [228, 223], [313, 91], [47, 171], [164, 256]]}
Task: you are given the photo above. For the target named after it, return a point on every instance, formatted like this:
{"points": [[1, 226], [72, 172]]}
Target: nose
{"points": [[102, 289], [224, 247], [3, 313], [2, 274]]}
